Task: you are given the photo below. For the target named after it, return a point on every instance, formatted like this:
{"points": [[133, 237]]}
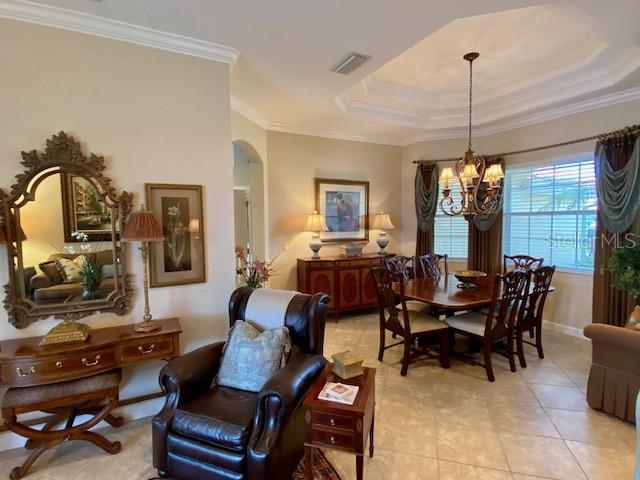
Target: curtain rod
{"points": [[602, 136]]}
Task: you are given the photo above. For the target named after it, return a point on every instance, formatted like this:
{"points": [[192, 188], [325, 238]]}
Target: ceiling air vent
{"points": [[349, 64]]}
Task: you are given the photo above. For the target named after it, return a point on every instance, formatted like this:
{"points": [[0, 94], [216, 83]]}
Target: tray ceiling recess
{"points": [[532, 58]]}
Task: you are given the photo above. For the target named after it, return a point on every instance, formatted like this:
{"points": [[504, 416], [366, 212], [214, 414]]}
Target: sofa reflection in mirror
{"points": [[65, 257]]}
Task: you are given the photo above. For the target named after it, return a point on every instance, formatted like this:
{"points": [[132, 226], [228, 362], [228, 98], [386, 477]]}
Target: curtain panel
{"points": [[484, 251], [614, 159], [426, 203]]}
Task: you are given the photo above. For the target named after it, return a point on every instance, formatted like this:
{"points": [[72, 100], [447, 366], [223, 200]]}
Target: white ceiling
{"points": [[539, 62]]}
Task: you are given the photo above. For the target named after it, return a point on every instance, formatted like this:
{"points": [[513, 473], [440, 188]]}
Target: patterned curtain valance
{"points": [[426, 184], [485, 222], [618, 190]]}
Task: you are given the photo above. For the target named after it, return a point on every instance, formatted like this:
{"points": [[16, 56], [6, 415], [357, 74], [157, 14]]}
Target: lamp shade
{"points": [[194, 226], [446, 177], [142, 226], [382, 221], [4, 234], [494, 173], [316, 223]]}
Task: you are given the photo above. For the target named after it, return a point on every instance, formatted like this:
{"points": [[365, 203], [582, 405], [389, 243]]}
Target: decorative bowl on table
{"points": [[468, 278]]}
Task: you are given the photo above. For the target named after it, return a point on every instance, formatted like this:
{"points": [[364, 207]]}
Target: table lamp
{"points": [[316, 224], [143, 226], [382, 222]]}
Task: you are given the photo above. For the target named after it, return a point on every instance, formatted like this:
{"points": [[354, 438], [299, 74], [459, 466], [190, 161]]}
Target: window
{"points": [[550, 212], [451, 234]]}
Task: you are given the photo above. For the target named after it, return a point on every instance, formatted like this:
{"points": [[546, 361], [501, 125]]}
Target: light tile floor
{"points": [[433, 423]]}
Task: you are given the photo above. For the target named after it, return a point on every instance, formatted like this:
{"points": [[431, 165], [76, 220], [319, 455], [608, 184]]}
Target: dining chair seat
{"points": [[471, 322], [421, 322], [415, 305]]}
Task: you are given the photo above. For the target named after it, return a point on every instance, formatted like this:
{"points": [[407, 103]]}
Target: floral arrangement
{"points": [[90, 270], [254, 273]]}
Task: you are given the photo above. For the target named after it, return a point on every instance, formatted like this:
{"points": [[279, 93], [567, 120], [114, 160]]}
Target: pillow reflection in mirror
{"points": [[71, 270]]}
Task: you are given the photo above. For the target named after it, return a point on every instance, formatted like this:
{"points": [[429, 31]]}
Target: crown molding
{"points": [[527, 120], [335, 135], [249, 112], [56, 17]]}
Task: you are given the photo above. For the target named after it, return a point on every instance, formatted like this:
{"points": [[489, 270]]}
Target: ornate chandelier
{"points": [[479, 182]]}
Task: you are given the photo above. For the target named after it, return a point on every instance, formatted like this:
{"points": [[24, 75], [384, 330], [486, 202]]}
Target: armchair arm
{"points": [[276, 401], [181, 378], [615, 336]]}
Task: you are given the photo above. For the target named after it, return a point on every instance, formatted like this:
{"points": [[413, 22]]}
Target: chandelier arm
{"points": [[448, 208]]}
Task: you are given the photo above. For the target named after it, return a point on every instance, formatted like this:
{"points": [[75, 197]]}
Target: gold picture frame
{"points": [[180, 259], [345, 207]]}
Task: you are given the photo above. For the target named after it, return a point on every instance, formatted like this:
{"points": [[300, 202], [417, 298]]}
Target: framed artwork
{"points": [[179, 260], [84, 210], [345, 206]]}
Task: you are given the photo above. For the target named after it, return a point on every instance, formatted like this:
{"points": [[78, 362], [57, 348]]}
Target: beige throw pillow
{"points": [[71, 269], [251, 357]]}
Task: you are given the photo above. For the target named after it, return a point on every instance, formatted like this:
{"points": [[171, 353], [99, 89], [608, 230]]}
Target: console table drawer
{"points": [[62, 368], [146, 349]]}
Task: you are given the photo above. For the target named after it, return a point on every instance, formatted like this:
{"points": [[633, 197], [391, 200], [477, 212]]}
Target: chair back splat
{"points": [[521, 262], [504, 308], [392, 312], [430, 265], [402, 265]]}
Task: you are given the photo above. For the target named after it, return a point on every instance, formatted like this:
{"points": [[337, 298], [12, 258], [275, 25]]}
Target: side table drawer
{"points": [[333, 439], [147, 348], [337, 421]]}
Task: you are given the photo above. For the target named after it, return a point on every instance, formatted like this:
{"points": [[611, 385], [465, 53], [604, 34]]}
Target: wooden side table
{"points": [[337, 426]]}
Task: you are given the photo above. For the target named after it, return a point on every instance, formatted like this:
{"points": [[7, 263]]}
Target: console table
{"points": [[23, 362], [347, 280]]}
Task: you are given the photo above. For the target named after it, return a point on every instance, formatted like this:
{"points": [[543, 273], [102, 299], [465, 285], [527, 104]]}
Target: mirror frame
{"points": [[62, 155]]}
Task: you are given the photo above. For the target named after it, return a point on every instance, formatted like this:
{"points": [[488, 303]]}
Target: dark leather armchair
{"points": [[206, 431]]}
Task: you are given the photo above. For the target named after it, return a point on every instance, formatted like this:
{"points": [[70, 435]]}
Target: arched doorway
{"points": [[249, 201]]}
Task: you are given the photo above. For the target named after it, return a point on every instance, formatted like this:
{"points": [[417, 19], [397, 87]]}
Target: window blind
{"points": [[451, 234], [550, 212]]}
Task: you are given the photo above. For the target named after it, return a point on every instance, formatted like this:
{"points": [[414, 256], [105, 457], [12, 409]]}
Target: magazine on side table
{"points": [[339, 393]]}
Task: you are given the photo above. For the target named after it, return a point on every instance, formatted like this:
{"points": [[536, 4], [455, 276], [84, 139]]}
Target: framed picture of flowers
{"points": [[345, 207], [180, 259]]}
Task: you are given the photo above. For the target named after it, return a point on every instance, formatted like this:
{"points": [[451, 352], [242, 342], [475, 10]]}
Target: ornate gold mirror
{"points": [[61, 222]]}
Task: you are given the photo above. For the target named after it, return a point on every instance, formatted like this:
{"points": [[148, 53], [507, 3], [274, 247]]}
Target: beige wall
{"points": [[157, 117], [294, 161], [570, 305]]}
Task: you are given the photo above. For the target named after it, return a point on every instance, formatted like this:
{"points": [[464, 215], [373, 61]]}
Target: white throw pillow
{"points": [[71, 269], [251, 357]]}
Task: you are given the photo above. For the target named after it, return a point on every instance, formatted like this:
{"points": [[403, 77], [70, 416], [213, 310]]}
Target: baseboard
{"points": [[131, 409], [566, 329]]}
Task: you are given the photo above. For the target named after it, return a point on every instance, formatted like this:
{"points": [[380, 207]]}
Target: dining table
{"points": [[444, 294]]}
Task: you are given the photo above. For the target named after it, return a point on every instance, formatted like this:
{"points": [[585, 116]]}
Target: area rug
{"points": [[322, 469]]}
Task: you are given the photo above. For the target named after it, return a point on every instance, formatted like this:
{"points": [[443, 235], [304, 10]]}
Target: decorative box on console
{"points": [[351, 250]]}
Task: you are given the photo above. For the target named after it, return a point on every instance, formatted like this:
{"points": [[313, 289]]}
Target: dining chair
{"points": [[417, 329], [408, 268], [531, 308], [430, 265], [499, 323], [403, 265], [521, 262]]}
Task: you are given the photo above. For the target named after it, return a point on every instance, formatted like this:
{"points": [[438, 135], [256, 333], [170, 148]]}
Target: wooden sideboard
{"points": [[347, 280], [23, 362]]}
